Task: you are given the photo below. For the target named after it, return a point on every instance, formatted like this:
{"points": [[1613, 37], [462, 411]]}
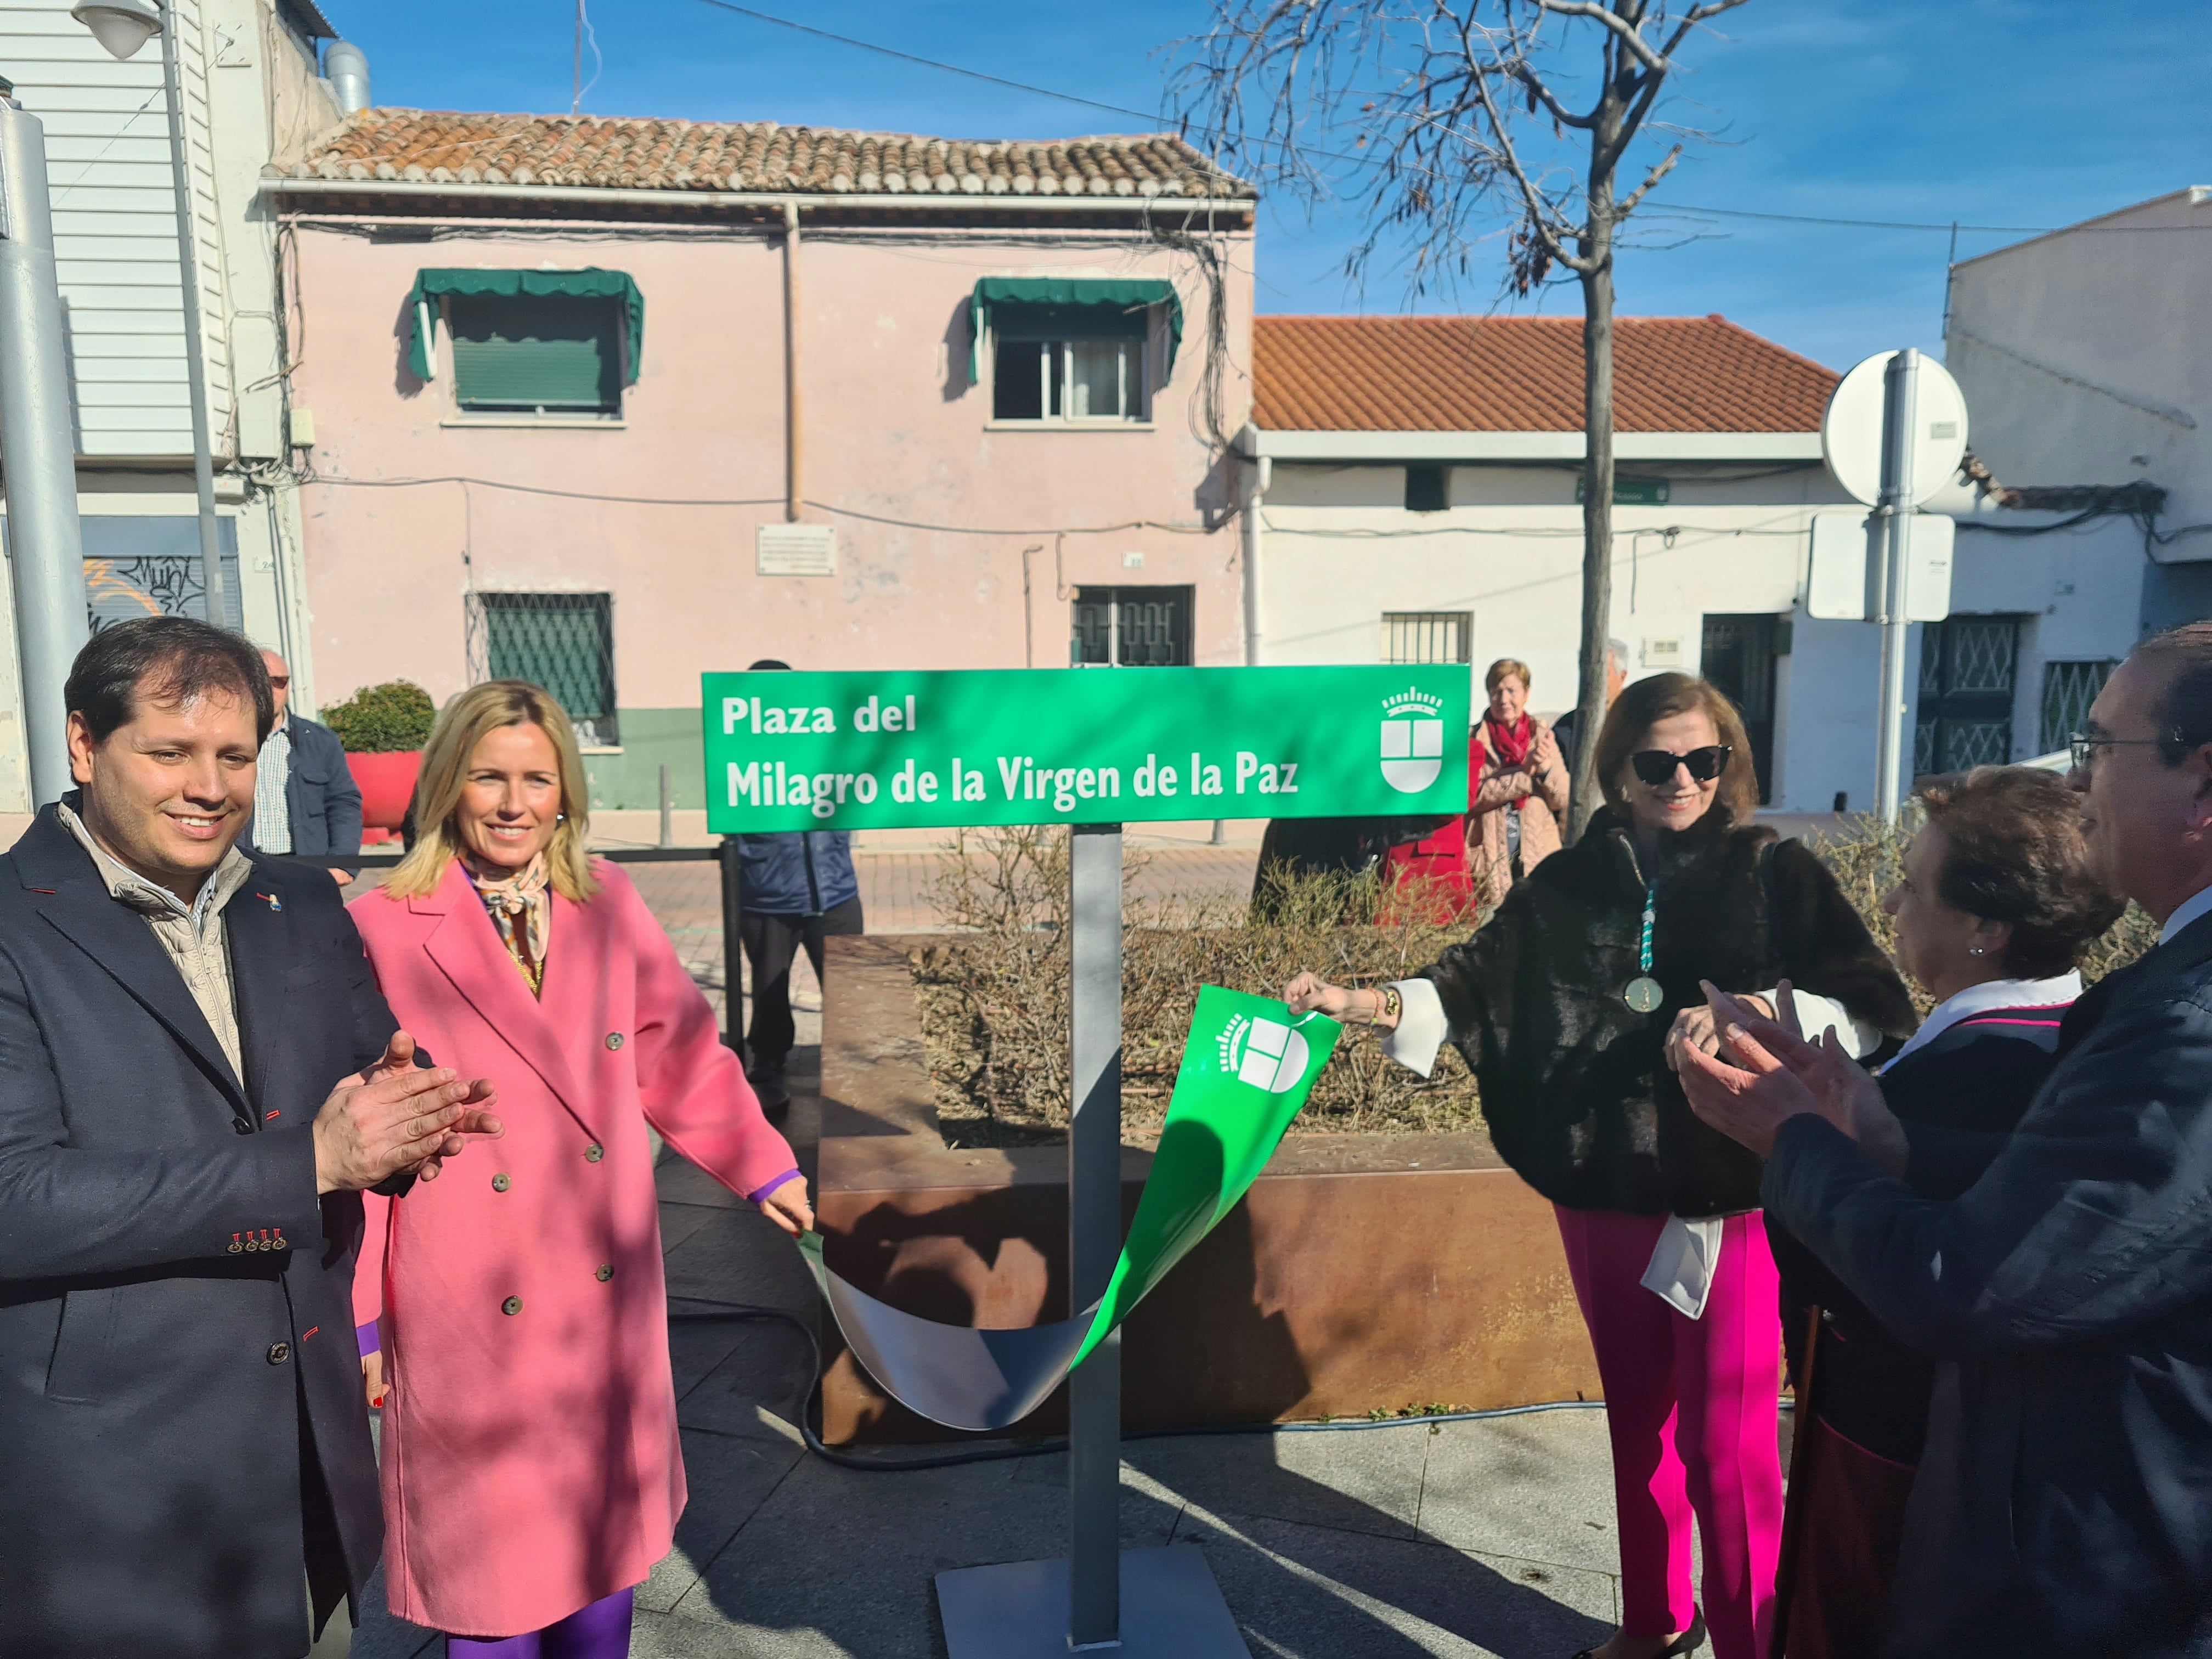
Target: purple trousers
{"points": [[600, 1630]]}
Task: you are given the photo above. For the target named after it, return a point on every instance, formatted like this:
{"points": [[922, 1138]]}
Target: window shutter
{"points": [[529, 352]]}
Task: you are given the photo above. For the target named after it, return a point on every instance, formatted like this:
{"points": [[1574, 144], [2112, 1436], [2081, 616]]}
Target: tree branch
{"points": [[1696, 16], [1539, 210], [1542, 94], [1629, 35], [1651, 179]]}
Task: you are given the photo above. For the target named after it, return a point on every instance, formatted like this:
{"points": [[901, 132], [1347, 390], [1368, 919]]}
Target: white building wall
{"points": [[250, 88], [2083, 359], [115, 224], [1339, 550]]}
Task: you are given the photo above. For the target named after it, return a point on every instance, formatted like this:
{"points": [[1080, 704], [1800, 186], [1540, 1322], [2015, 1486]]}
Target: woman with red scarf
{"points": [[1517, 792]]}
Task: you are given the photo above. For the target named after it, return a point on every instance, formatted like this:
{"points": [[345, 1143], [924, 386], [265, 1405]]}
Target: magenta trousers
{"points": [[600, 1630], [1691, 1405]]}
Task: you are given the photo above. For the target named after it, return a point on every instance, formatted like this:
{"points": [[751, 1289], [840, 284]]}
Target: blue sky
{"points": [[1990, 112]]}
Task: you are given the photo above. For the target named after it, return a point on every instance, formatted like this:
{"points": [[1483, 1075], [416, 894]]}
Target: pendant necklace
{"points": [[1644, 993]]}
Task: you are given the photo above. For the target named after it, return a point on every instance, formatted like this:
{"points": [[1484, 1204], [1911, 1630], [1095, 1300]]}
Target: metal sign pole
{"points": [[37, 454], [1094, 1232], [1899, 396], [1158, 1603]]}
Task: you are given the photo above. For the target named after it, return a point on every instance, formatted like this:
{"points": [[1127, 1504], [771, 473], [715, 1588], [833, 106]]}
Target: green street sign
{"points": [[969, 748], [1631, 492]]}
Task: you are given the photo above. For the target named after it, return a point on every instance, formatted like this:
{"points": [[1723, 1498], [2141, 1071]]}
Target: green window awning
{"points": [[431, 286], [1068, 308]]}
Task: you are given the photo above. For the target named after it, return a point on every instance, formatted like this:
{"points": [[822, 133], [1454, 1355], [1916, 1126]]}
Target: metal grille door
{"points": [[1739, 657], [2069, 688], [1968, 668], [564, 642]]}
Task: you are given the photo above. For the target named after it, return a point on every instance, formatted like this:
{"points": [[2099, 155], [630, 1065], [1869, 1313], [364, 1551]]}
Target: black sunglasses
{"points": [[1656, 766]]}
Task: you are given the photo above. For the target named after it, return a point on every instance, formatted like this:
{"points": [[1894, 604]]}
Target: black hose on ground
{"points": [[810, 1410]]}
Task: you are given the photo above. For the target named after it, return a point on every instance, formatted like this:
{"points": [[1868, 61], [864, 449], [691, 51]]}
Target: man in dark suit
{"points": [[197, 1077], [2064, 1503], [304, 800]]}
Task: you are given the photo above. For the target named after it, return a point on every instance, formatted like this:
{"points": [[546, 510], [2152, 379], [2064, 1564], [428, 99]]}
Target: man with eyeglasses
{"points": [[304, 800], [2065, 1505]]}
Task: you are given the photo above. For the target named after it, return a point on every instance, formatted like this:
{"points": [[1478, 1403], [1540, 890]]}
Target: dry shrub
{"points": [[995, 996]]}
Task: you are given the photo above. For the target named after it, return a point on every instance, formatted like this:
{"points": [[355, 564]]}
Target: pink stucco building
{"points": [[611, 403]]}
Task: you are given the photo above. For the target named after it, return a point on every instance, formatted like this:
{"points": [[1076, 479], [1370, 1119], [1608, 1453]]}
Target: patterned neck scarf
{"points": [[521, 907]]}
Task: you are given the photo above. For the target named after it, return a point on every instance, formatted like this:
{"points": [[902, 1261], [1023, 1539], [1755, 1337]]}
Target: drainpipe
{"points": [[1260, 474], [792, 494]]}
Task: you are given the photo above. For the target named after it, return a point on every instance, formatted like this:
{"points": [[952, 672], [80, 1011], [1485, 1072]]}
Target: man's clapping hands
{"points": [[1779, 1075], [394, 1118]]}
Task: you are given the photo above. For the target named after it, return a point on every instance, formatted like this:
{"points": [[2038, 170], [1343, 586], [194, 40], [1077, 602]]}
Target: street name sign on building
{"points": [[982, 747]]}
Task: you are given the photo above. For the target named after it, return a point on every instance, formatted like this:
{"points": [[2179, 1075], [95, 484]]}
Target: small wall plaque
{"points": [[795, 550]]}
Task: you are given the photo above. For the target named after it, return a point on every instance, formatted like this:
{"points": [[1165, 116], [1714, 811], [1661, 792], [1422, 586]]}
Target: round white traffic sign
{"points": [[1851, 431]]}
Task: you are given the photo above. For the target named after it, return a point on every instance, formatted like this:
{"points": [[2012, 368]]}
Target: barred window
{"points": [[2069, 688], [1428, 636], [1131, 627], [564, 642]]}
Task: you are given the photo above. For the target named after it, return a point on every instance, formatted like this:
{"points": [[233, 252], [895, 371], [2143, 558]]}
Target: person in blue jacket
{"points": [[798, 889], [2064, 1503]]}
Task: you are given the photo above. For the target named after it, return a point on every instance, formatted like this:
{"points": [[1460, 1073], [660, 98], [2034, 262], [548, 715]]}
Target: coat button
{"points": [[279, 1353], [593, 1153], [606, 1272], [500, 1183], [512, 1305], [614, 1039]]}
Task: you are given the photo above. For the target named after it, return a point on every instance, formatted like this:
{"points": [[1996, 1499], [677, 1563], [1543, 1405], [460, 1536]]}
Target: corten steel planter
{"points": [[387, 783], [1362, 1273]]}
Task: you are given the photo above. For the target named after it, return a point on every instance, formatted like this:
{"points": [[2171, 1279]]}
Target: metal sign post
{"points": [[37, 450], [1094, 1232], [1894, 433], [1886, 554]]}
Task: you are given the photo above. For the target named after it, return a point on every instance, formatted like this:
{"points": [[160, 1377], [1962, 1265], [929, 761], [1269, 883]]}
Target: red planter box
{"points": [[388, 786]]}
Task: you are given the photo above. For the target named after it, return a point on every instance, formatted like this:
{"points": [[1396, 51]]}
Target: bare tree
{"points": [[1468, 119]]}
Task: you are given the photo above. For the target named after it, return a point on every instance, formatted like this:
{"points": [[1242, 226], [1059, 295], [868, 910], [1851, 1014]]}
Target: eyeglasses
{"points": [[1656, 766], [279, 682], [2081, 749]]}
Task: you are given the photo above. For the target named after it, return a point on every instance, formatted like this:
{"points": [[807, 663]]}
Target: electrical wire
{"points": [[765, 501], [1156, 122], [808, 1417]]}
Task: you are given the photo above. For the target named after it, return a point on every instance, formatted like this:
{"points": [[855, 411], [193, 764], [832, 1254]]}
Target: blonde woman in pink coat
{"points": [[514, 1322]]}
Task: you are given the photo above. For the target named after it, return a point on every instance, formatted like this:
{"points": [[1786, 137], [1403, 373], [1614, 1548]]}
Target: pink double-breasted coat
{"points": [[530, 1455]]}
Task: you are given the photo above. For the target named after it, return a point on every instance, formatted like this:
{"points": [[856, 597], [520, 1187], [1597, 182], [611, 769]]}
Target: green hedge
{"points": [[393, 718]]}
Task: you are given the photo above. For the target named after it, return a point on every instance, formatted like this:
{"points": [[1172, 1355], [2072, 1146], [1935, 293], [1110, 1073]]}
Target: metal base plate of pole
{"points": [[1171, 1609]]}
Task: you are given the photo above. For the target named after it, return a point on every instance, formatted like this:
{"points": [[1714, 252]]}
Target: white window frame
{"points": [[1136, 356]]}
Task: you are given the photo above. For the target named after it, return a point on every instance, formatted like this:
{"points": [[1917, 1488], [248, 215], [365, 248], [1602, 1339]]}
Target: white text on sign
{"points": [[1020, 777]]}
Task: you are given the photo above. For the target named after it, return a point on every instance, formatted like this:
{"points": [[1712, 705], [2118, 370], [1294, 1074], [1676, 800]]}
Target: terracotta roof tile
{"points": [[1524, 374], [445, 147]]}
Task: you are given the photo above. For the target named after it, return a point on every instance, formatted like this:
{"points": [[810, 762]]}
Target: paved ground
{"points": [[1461, 1540]]}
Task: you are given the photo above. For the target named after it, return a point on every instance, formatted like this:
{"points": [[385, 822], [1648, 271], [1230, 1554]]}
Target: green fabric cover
{"points": [[1069, 308], [593, 284]]}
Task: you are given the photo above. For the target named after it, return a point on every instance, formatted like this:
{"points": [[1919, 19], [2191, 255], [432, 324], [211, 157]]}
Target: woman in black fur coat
{"points": [[1566, 1002]]}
